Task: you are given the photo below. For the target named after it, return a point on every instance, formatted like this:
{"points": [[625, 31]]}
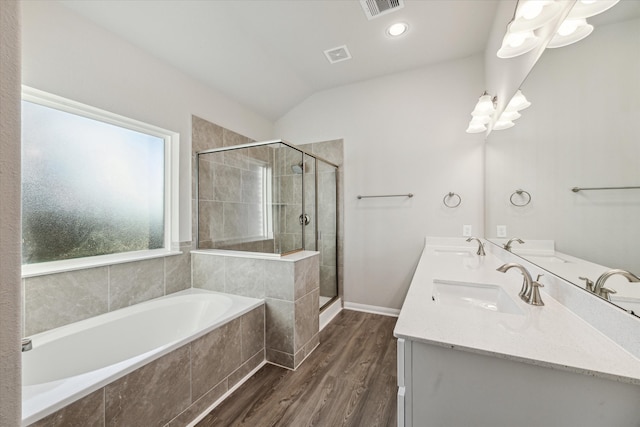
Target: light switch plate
{"points": [[501, 231], [466, 231]]}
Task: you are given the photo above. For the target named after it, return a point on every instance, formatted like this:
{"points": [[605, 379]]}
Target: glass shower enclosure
{"points": [[269, 197]]}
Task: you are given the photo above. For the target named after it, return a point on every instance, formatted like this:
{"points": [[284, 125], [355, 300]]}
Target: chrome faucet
{"points": [[529, 292], [26, 344], [599, 288], [480, 245], [507, 245]]}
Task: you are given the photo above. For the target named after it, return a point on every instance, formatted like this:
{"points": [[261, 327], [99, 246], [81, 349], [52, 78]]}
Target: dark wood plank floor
{"points": [[349, 380]]}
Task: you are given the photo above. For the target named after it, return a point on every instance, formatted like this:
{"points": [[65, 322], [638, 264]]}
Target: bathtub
{"points": [[70, 362]]}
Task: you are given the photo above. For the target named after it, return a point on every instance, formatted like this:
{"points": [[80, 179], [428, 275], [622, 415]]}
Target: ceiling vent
{"points": [[375, 8], [337, 54]]}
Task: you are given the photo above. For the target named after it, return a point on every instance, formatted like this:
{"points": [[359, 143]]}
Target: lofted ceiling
{"points": [[268, 54]]}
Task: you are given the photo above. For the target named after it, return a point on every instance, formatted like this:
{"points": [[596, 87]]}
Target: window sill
{"points": [[44, 268]]}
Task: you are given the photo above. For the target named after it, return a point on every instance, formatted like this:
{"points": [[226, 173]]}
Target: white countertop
{"points": [[550, 336]]}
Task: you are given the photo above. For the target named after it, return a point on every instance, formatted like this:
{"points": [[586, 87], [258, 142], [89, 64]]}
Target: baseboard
{"points": [[224, 396], [330, 312], [374, 309]]}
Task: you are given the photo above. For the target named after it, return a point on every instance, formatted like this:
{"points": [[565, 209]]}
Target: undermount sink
{"points": [[629, 304], [454, 251], [474, 295], [544, 258]]}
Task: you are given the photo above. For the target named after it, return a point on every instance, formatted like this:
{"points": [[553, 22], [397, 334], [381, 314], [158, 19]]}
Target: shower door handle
{"points": [[304, 219]]}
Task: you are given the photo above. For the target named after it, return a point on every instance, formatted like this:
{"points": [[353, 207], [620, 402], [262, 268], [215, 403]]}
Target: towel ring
{"points": [[449, 196], [520, 192]]}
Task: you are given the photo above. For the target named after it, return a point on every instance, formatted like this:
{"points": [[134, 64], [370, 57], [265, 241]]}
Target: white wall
{"points": [[70, 56], [10, 356], [581, 130], [402, 133]]}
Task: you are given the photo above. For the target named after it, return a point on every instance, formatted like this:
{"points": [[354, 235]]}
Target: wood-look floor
{"points": [[349, 380]]}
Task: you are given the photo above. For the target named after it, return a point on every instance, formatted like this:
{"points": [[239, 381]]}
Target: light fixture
{"points": [[503, 124], [476, 128], [533, 14], [397, 29], [518, 102], [528, 16], [484, 106], [510, 116], [482, 113], [587, 8], [516, 43], [570, 31]]}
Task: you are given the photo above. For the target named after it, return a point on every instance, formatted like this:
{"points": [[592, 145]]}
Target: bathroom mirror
{"points": [[582, 130]]}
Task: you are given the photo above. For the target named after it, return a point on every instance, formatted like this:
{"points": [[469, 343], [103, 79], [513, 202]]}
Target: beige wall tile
{"points": [[208, 272], [151, 395], [279, 325], [215, 356], [252, 327], [178, 271], [200, 405], [210, 221], [135, 282], [227, 182], [279, 280], [246, 368], [280, 358], [232, 138], [306, 319], [204, 134], [244, 276], [58, 299], [86, 412]]}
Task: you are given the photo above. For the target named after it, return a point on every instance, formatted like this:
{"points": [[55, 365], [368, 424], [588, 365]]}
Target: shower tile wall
{"points": [[229, 189], [55, 300], [288, 199], [290, 290]]}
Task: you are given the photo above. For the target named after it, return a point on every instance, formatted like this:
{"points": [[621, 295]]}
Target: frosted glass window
{"points": [[88, 187]]}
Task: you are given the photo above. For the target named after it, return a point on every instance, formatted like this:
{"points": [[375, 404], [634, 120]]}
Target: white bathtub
{"points": [[72, 361]]}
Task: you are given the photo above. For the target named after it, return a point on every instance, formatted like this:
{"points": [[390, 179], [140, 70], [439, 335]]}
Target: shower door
{"points": [[327, 230]]}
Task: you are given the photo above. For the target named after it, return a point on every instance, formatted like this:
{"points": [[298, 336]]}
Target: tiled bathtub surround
{"points": [[174, 389], [55, 300], [289, 286]]}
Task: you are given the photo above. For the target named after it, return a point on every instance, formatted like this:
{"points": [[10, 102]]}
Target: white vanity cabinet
{"points": [[439, 386], [460, 366]]}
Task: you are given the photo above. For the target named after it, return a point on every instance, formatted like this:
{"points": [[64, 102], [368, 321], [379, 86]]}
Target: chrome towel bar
{"points": [[576, 189], [387, 195]]}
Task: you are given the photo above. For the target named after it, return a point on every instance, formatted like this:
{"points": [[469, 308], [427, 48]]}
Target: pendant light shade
{"points": [[484, 106], [533, 14], [518, 102], [503, 124], [482, 113], [476, 128], [571, 31], [587, 8], [516, 43], [510, 116]]}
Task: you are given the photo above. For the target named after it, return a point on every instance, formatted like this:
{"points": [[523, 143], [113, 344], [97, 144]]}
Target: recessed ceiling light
{"points": [[397, 29]]}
